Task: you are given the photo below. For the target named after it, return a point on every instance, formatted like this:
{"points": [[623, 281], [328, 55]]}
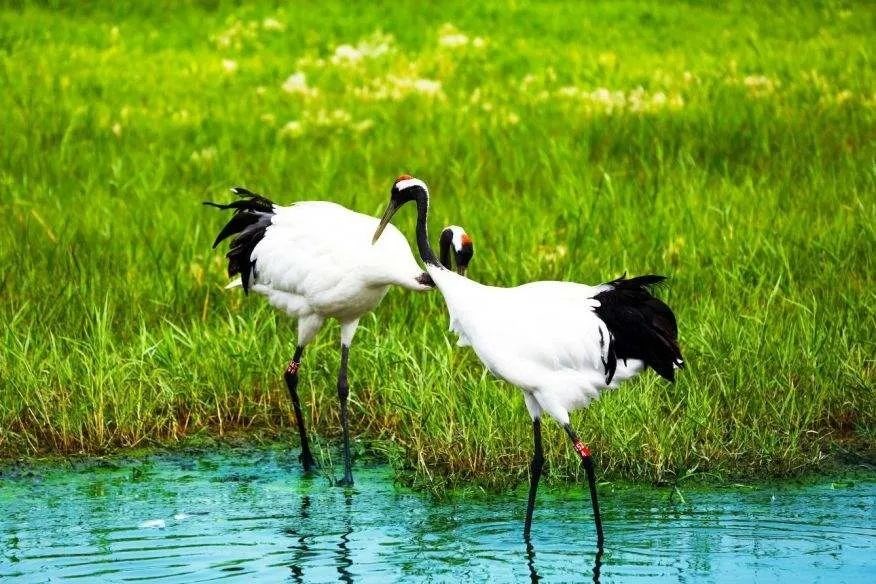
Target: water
{"points": [[236, 514]]}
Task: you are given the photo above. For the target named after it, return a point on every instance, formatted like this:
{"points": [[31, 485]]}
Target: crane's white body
{"points": [[542, 337], [316, 261]]}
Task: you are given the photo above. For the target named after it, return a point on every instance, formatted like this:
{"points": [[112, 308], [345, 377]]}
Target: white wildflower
{"points": [[235, 35], [204, 156], [372, 47], [609, 101], [759, 85], [449, 36], [453, 40], [427, 86], [376, 45], [363, 126], [395, 88], [292, 129], [310, 62], [230, 65], [346, 54], [512, 119], [603, 96], [607, 60], [117, 129], [341, 117], [636, 100], [222, 40], [337, 118], [550, 253], [368, 94], [479, 43], [297, 84], [273, 24], [757, 81]]}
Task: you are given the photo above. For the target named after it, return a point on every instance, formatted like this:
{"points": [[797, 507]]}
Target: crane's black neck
{"points": [[426, 253], [444, 244]]}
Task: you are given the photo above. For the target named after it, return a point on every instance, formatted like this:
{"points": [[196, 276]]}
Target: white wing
{"points": [[323, 251], [536, 336]]}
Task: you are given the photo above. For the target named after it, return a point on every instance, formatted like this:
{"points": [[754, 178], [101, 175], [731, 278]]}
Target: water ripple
{"points": [[236, 516]]}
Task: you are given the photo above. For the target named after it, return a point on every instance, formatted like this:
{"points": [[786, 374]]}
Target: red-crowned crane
{"points": [[314, 260], [561, 343]]}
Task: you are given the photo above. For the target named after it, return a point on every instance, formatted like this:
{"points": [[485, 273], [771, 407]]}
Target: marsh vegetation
{"points": [[730, 148]]}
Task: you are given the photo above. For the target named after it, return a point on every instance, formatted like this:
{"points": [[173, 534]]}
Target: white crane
{"points": [[561, 343], [314, 260]]}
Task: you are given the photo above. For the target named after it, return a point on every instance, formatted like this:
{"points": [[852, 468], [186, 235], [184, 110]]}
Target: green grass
{"points": [[731, 148]]}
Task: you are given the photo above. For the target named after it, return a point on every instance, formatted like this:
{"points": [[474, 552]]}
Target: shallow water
{"points": [[236, 514]]}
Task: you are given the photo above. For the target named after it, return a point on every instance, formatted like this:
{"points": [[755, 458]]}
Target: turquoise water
{"points": [[234, 515]]}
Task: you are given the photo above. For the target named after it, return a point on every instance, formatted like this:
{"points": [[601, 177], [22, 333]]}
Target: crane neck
{"points": [[444, 244], [426, 253]]}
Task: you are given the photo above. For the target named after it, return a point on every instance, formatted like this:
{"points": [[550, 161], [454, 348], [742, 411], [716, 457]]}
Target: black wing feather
{"points": [[642, 326], [237, 223], [252, 216]]}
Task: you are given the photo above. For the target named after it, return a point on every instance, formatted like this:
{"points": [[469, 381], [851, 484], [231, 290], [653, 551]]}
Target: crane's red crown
{"points": [[466, 239], [403, 177]]}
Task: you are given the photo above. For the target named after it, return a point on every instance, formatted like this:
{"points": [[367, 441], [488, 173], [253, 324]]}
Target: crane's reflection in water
{"points": [[300, 547], [533, 570], [344, 559]]}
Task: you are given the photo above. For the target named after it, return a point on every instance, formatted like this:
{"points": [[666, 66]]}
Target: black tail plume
{"points": [[642, 326], [252, 216]]}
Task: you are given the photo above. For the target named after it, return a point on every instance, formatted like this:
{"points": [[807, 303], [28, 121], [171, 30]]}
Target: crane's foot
{"points": [[344, 482]]}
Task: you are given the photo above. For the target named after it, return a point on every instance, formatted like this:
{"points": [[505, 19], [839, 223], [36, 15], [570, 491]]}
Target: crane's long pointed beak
{"points": [[384, 221]]}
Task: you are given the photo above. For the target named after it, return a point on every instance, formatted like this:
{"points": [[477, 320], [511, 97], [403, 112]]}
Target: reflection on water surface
{"points": [[235, 514]]}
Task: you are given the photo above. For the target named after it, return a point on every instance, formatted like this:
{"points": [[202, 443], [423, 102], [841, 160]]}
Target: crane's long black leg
{"points": [[291, 377], [534, 474], [587, 461], [343, 392]]}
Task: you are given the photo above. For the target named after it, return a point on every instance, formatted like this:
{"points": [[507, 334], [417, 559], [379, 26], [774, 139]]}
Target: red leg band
{"points": [[292, 369], [582, 449]]}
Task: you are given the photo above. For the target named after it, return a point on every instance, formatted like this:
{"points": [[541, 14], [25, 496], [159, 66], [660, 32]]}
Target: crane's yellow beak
{"points": [[384, 221]]}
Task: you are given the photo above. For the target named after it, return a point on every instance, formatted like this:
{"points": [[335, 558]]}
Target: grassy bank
{"points": [[730, 148]]}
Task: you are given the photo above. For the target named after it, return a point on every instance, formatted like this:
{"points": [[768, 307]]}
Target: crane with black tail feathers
{"points": [[314, 260], [561, 343]]}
